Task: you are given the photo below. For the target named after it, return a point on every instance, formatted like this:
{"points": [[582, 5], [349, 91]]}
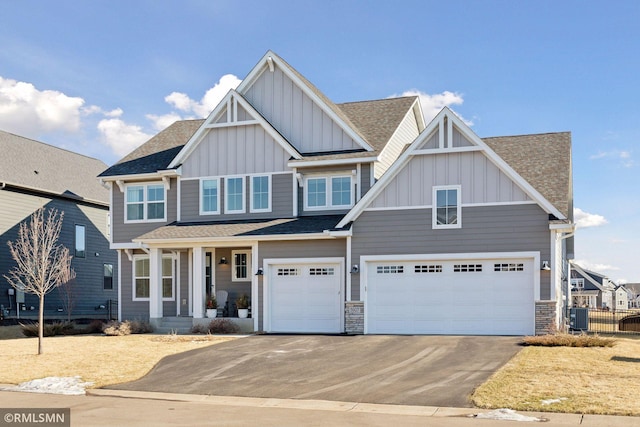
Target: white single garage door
{"points": [[466, 297], [305, 297]]}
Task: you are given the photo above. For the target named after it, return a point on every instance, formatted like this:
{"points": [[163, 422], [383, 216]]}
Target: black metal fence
{"points": [[612, 321]]}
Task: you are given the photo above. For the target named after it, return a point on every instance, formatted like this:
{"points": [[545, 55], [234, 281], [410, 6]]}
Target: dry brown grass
{"points": [[99, 359], [594, 380], [569, 340]]}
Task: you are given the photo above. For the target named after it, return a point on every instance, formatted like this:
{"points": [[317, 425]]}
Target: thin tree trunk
{"points": [[40, 323]]}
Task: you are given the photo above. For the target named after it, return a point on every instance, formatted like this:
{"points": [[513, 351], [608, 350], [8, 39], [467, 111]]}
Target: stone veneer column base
{"points": [[546, 317], [354, 317]]}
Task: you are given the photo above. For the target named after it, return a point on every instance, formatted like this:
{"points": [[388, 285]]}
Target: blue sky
{"points": [[100, 77]]}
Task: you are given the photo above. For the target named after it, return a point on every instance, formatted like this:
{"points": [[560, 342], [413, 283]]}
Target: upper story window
{"points": [[261, 193], [145, 202], [142, 278], [446, 207], [234, 195], [107, 277], [209, 196], [577, 283], [328, 192], [80, 251]]}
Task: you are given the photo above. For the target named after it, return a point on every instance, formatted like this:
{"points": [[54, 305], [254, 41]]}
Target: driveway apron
{"points": [[404, 370]]}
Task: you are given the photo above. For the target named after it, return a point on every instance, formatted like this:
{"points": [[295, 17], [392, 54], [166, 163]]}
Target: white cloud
{"points": [[624, 157], [585, 219], [432, 104], [27, 111], [211, 98], [121, 137], [163, 121], [595, 266]]}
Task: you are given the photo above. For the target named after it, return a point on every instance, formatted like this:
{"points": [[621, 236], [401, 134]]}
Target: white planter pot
{"points": [[212, 312], [243, 313]]}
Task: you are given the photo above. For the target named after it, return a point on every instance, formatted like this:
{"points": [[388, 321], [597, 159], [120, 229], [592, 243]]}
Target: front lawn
{"points": [[593, 380], [99, 359]]}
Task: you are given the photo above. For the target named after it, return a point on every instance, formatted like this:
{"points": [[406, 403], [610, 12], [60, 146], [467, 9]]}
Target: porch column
{"points": [[198, 282], [155, 284]]}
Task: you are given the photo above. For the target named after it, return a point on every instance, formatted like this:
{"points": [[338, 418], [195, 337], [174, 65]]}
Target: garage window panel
{"points": [[508, 267], [390, 269], [467, 268], [321, 271], [288, 272], [431, 268]]}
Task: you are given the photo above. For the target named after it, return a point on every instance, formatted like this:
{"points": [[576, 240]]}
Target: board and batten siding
{"points": [[89, 293], [281, 200], [124, 232], [295, 115], [514, 228], [235, 150], [329, 248], [405, 134], [480, 180]]}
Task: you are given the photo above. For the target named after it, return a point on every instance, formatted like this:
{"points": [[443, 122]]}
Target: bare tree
{"points": [[67, 291], [42, 263]]}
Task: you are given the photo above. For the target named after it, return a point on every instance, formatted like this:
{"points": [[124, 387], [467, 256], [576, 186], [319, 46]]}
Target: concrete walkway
{"points": [[132, 408]]}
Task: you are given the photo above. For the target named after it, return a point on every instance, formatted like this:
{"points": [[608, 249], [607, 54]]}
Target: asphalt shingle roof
{"points": [[32, 164], [238, 228], [544, 161]]}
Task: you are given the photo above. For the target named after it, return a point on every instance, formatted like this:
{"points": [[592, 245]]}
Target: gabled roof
{"points": [[377, 120], [196, 138], [544, 160], [447, 116], [595, 280], [157, 153], [37, 166], [310, 90]]}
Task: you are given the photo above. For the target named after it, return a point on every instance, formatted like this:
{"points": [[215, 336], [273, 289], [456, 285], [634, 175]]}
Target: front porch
{"points": [[180, 282]]}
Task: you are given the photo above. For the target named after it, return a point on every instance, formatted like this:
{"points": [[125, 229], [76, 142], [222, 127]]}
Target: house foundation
{"points": [[354, 317], [546, 317]]}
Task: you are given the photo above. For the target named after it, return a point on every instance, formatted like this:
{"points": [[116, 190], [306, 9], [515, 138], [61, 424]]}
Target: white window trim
{"points": [[144, 202], [579, 283], [201, 199], [434, 207], [133, 280], [269, 194], [234, 277], [226, 195], [329, 193]]}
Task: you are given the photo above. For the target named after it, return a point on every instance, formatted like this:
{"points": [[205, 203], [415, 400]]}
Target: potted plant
{"points": [[212, 307], [242, 303]]}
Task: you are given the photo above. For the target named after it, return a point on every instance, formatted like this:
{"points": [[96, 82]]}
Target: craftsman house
{"points": [[332, 218]]}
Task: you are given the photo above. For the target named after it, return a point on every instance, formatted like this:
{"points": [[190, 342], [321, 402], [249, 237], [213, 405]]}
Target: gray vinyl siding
{"points": [[295, 115], [365, 177], [224, 281], [484, 229], [405, 134], [295, 249], [236, 150], [131, 310], [88, 292], [125, 232], [481, 181], [281, 200]]}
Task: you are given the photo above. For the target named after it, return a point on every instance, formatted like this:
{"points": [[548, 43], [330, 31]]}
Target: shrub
{"points": [[49, 329], [95, 327], [216, 326], [127, 327], [568, 340]]}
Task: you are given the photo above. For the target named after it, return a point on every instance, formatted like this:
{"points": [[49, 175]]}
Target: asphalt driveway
{"points": [[405, 370]]}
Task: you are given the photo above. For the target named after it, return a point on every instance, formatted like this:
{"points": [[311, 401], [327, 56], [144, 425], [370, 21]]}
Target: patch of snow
{"points": [[506, 415], [550, 401], [53, 385]]}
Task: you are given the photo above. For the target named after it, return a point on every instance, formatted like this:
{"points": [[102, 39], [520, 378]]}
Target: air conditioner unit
{"points": [[579, 319]]}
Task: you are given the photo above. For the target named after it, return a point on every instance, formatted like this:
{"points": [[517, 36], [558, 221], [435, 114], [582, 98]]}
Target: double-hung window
{"points": [[80, 241], [209, 196], [145, 202], [328, 192], [261, 193], [142, 278], [241, 266], [234, 195], [446, 207]]}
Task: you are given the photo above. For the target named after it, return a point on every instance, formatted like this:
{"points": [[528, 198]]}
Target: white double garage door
{"points": [[467, 296]]}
